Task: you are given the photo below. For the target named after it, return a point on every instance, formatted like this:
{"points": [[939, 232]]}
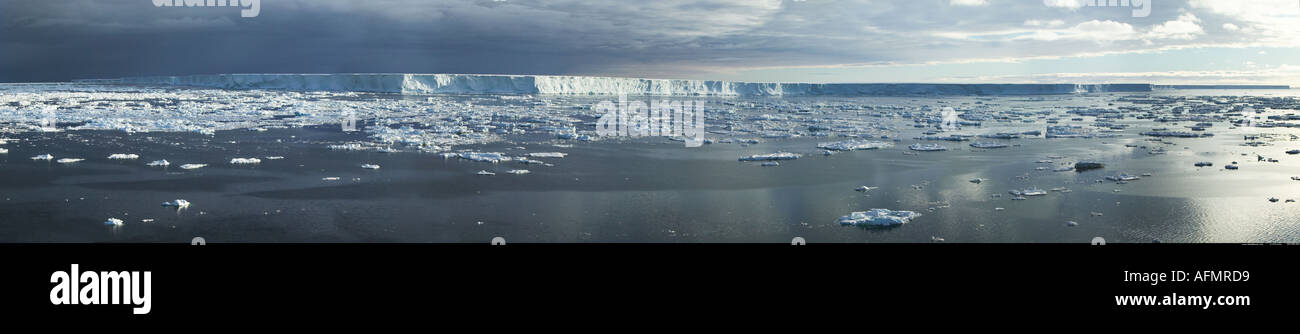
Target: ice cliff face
{"points": [[577, 85]]}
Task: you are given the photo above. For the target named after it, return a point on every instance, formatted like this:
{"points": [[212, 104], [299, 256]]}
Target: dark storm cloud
{"points": [[54, 40]]}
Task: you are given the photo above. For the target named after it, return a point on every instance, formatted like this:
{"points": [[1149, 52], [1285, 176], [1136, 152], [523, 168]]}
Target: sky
{"points": [[956, 41]]}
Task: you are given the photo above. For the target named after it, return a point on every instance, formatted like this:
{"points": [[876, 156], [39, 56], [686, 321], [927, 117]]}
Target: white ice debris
{"points": [[245, 161], [853, 145], [863, 188], [493, 157], [878, 217], [43, 157], [158, 163], [70, 160], [771, 157], [369, 166], [123, 156], [275, 157], [178, 203], [4, 150], [193, 166], [485, 173], [547, 155], [519, 171], [330, 178], [113, 222], [927, 147]]}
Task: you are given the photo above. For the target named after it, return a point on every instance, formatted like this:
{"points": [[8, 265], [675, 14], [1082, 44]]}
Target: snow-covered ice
{"points": [[878, 217]]}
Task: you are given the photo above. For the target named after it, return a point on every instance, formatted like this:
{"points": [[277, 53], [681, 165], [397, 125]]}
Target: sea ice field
{"points": [[447, 158]]}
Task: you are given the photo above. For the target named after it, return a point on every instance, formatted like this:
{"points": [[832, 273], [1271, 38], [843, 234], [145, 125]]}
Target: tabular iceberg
{"points": [[878, 217]]}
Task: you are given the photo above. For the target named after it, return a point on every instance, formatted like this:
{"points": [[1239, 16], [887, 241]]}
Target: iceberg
{"points": [[4, 151], [1122, 177], [519, 171], [158, 163], [853, 145], [485, 173], [878, 217], [771, 157], [122, 156], [43, 157], [370, 166], [113, 222], [178, 204], [245, 161], [70, 160], [193, 166]]}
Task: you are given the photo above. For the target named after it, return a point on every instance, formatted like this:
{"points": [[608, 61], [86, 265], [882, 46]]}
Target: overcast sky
{"points": [[1178, 41]]}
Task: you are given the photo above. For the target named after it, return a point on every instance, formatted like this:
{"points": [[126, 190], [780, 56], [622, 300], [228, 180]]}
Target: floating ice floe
{"points": [[330, 178], [770, 164], [4, 150], [853, 145], [771, 157], [485, 173], [986, 144], [123, 156], [178, 204], [158, 163], [1029, 192], [863, 188], [1122, 177], [245, 161], [878, 217], [43, 157], [275, 158], [370, 166], [547, 155], [493, 157], [927, 147], [70, 160], [519, 171], [113, 222], [193, 166]]}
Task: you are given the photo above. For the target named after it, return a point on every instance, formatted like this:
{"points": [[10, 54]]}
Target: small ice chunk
{"points": [[159, 163], [547, 155], [1071, 223], [178, 203], [493, 157], [771, 157], [927, 147], [245, 161], [485, 173], [4, 150], [369, 166], [276, 157], [113, 222], [70, 160], [123, 156], [330, 178], [193, 166], [43, 157], [770, 164], [878, 217], [853, 145], [863, 188], [519, 171]]}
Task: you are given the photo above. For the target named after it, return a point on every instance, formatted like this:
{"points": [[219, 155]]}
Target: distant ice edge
{"points": [[580, 85]]}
